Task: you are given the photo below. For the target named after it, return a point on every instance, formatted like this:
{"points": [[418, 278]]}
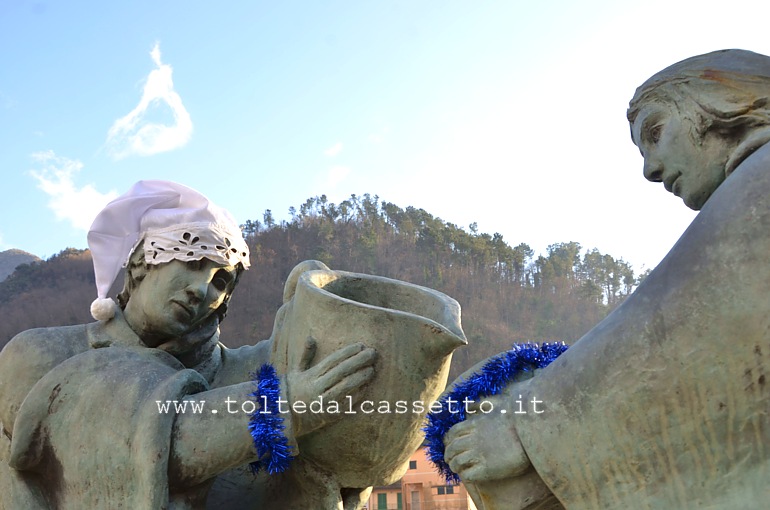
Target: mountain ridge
{"points": [[13, 258]]}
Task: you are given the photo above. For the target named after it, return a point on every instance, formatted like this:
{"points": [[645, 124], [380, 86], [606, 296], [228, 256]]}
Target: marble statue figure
{"points": [[665, 403], [81, 406]]}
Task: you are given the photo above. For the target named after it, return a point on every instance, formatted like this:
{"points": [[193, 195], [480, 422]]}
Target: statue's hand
{"points": [[341, 374], [486, 447]]}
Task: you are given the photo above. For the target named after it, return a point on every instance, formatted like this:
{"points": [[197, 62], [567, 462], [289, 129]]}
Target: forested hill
{"points": [[507, 293], [11, 259]]}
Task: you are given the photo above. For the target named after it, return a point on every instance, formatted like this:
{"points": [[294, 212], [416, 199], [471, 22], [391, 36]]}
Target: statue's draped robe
{"points": [[81, 427], [666, 403]]}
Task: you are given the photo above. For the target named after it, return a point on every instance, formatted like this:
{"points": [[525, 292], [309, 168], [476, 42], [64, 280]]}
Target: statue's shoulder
{"points": [[248, 353], [240, 363], [47, 345], [754, 169], [29, 356]]}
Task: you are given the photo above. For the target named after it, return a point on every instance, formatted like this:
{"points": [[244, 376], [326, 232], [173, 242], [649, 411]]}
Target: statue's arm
{"points": [[206, 444], [681, 359], [665, 384]]}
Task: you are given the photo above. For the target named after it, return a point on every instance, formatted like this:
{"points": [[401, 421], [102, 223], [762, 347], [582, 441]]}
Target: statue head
{"points": [[183, 257], [179, 296], [697, 120]]}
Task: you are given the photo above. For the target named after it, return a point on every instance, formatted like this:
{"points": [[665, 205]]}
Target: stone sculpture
{"points": [[373, 446], [81, 406], [665, 403]]}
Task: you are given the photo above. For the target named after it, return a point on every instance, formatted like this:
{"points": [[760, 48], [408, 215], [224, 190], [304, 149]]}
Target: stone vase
{"points": [[414, 331]]}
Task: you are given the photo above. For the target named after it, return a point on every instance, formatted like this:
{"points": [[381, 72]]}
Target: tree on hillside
{"points": [[506, 293]]}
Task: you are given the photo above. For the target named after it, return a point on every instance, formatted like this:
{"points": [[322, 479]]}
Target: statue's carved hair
{"points": [[727, 91], [707, 106], [136, 270]]}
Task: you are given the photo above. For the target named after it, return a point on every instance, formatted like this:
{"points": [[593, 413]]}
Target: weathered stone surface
{"points": [[414, 331], [665, 403], [79, 405]]}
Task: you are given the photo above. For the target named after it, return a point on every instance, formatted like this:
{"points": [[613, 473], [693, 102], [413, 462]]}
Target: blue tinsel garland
{"points": [[491, 380], [266, 425]]}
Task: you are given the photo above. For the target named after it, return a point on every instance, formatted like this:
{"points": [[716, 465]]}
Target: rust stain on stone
{"points": [[718, 76]]}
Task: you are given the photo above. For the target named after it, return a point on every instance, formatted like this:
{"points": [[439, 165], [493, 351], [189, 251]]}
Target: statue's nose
{"points": [[653, 169], [196, 292]]}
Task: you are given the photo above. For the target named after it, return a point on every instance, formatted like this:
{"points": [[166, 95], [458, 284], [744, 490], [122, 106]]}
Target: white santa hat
{"points": [[174, 221]]}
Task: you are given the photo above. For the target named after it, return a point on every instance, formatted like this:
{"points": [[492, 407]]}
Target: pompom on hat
{"points": [[174, 221]]}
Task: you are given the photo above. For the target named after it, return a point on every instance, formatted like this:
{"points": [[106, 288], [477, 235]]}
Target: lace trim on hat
{"points": [[196, 241]]}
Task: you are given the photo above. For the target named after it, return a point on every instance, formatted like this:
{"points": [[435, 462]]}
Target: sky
{"points": [[506, 113]]}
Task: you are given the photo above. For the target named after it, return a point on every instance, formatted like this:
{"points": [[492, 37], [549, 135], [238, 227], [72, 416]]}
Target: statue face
{"points": [[688, 169], [178, 297]]}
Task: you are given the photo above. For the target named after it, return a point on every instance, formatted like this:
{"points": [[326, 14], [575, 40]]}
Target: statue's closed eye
{"points": [[652, 134]]}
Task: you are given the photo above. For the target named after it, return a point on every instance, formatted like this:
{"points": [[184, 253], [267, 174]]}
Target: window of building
{"points": [[412, 464], [399, 504], [382, 501], [445, 489]]}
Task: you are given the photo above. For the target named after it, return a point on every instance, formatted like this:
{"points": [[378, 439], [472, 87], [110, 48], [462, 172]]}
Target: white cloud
{"points": [[55, 178], [334, 150], [137, 135]]}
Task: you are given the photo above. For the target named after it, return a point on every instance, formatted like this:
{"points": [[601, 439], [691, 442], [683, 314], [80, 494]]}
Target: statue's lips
{"points": [[184, 308], [676, 188], [669, 183]]}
